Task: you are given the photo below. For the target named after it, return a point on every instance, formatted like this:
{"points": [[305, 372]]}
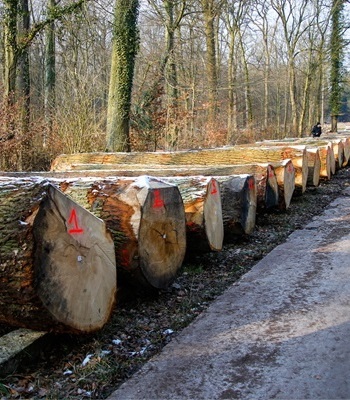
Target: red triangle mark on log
{"points": [[214, 189], [158, 201], [73, 220]]}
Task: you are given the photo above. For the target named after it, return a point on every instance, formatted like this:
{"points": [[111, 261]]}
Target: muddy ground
{"points": [[94, 366]]}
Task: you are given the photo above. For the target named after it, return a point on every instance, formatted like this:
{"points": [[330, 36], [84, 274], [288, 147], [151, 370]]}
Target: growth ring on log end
{"points": [[162, 233], [74, 262]]}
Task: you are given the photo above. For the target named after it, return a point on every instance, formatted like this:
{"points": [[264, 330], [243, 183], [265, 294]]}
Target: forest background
{"points": [[202, 73]]}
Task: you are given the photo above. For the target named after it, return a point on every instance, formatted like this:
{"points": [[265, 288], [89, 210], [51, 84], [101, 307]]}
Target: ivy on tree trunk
{"points": [[336, 53], [125, 46]]}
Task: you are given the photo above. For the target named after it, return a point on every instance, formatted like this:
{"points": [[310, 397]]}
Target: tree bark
{"points": [[209, 13], [125, 45], [147, 220], [50, 72], [57, 264], [337, 44]]}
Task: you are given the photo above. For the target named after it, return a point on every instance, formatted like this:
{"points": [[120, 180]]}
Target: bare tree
{"points": [[210, 9], [295, 20]]}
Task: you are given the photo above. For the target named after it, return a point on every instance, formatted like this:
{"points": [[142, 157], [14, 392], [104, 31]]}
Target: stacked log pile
{"points": [[223, 156], [98, 215], [146, 217]]}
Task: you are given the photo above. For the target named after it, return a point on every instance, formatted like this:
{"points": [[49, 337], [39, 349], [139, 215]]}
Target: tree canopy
{"points": [[83, 75]]}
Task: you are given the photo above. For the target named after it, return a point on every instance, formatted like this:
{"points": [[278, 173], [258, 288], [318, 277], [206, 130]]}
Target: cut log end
{"points": [[74, 263], [214, 226], [162, 235], [239, 202]]}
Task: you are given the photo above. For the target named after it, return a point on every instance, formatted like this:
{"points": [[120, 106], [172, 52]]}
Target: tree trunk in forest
{"points": [[238, 197], [23, 69], [203, 210], [125, 45], [209, 13], [50, 73], [337, 43], [147, 220], [10, 49], [232, 123], [57, 262]]}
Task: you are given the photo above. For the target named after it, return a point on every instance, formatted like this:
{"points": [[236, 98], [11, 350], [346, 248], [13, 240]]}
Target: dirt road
{"points": [[282, 331]]}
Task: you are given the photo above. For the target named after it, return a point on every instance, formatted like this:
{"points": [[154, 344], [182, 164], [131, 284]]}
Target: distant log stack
{"points": [[147, 220], [326, 156], [238, 194], [57, 262], [222, 156], [325, 153], [334, 150], [203, 210]]}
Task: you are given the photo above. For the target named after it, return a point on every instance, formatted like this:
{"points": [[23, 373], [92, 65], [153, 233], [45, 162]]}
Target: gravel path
{"points": [[279, 332]]}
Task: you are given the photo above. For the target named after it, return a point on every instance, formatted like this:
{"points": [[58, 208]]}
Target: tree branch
{"points": [[56, 13]]}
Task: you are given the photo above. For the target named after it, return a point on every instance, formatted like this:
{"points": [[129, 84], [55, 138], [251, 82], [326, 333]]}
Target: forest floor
{"points": [[93, 366]]}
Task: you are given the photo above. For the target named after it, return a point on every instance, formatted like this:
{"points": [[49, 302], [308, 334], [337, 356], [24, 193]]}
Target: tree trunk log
{"points": [[221, 156], [264, 176], [266, 182], [346, 155], [298, 155], [202, 201], [325, 153], [238, 196], [147, 219], [346, 144], [314, 163], [338, 149], [326, 157], [285, 175], [57, 263]]}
